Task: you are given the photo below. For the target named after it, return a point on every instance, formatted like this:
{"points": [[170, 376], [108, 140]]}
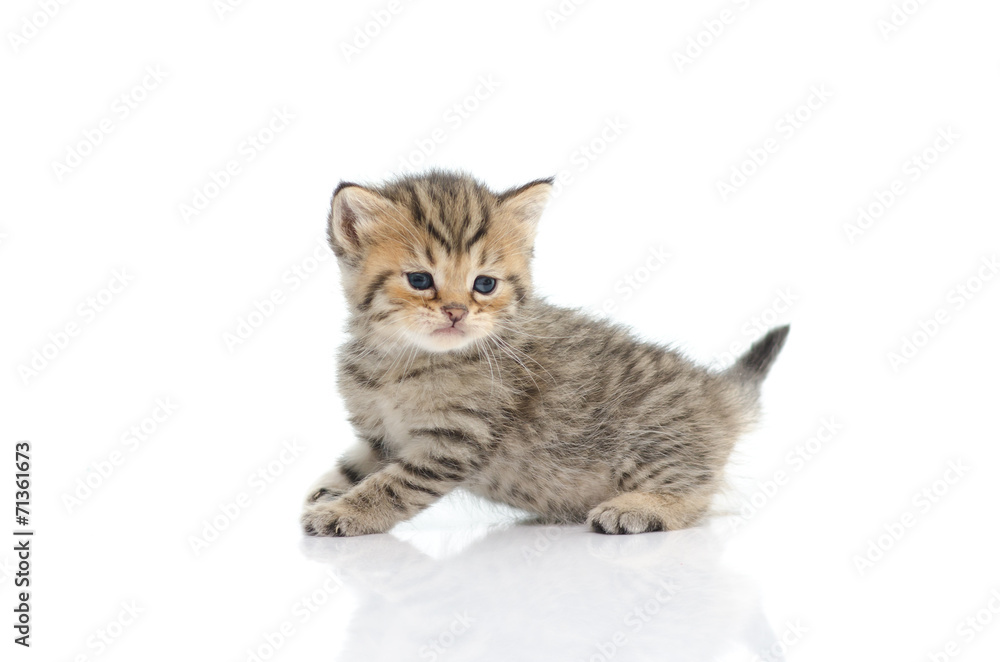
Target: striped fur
{"points": [[539, 407]]}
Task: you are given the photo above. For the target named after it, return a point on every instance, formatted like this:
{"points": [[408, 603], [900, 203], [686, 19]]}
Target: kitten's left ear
{"points": [[527, 202]]}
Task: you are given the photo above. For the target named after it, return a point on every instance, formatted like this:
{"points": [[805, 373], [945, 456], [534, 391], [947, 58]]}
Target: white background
{"points": [[810, 559]]}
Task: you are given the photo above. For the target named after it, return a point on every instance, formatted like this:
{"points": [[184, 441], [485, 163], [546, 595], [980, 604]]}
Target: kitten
{"points": [[456, 375]]}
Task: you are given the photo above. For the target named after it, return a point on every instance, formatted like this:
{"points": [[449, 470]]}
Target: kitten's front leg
{"points": [[395, 493], [363, 459]]}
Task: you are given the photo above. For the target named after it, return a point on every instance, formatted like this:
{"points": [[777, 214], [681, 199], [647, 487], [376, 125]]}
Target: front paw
{"points": [[336, 518]]}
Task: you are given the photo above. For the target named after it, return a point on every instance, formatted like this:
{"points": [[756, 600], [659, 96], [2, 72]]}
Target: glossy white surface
{"points": [[545, 593]]}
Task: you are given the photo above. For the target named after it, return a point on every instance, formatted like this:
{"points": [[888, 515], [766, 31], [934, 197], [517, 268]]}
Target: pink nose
{"points": [[455, 312]]}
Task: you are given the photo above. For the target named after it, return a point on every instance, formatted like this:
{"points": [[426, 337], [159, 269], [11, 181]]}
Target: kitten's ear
{"points": [[355, 214], [527, 202]]}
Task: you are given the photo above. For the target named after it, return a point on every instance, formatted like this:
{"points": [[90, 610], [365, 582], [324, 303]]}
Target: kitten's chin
{"points": [[448, 339]]}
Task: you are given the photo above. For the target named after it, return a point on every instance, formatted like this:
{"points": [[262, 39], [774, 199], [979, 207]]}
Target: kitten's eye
{"points": [[420, 280], [484, 284]]}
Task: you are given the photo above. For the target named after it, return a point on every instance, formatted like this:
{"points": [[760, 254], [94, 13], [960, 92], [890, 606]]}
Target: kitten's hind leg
{"points": [[639, 512], [358, 463]]}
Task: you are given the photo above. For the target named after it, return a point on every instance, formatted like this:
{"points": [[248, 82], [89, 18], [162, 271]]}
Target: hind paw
{"points": [[614, 519]]}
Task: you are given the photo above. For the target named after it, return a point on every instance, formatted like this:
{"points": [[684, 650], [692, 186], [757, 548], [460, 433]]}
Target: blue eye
{"points": [[484, 284], [420, 280]]}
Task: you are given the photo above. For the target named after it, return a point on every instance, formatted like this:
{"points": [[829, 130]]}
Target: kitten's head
{"points": [[437, 260]]}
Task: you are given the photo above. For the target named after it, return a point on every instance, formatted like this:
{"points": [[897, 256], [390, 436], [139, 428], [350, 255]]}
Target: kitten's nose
{"points": [[456, 312]]}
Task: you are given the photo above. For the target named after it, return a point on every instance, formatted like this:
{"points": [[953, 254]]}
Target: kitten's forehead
{"points": [[451, 214], [447, 218]]}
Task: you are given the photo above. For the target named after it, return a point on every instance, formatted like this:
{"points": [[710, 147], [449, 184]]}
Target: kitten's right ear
{"points": [[355, 214]]}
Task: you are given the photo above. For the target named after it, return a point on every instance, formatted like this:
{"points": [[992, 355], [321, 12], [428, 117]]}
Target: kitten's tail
{"points": [[752, 367]]}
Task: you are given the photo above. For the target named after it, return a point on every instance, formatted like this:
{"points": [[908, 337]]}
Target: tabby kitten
{"points": [[456, 375]]}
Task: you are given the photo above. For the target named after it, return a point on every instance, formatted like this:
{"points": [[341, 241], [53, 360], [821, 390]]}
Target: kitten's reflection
{"points": [[547, 593]]}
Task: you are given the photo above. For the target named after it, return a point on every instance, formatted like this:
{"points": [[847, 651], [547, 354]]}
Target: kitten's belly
{"points": [[523, 472], [562, 492]]}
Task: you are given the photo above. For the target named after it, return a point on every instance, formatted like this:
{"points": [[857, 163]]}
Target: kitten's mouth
{"points": [[448, 331]]}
